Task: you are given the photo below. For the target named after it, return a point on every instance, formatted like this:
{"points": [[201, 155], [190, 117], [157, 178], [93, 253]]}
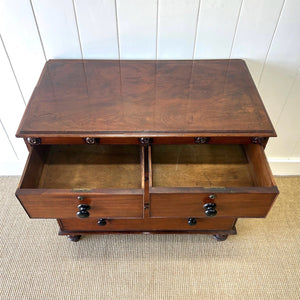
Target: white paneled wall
{"points": [[216, 28], [266, 33], [97, 26], [176, 28]]}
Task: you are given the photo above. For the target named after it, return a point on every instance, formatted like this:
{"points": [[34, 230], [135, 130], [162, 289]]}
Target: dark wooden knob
{"points": [[201, 140], [83, 211], [210, 210], [34, 141], [145, 140], [192, 221], [80, 198], [210, 213], [208, 206], [101, 222], [90, 140]]}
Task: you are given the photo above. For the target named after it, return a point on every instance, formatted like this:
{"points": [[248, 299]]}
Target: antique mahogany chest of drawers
{"points": [[146, 147]]}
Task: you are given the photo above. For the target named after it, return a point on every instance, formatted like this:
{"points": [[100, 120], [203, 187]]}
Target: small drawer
{"points": [[148, 224], [67, 204], [69, 181], [210, 181]]}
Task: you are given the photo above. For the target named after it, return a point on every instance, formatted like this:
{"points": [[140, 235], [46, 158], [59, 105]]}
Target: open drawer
{"points": [[69, 181], [210, 180]]}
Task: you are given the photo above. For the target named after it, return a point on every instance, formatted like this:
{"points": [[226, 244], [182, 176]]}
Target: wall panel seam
{"points": [[295, 148], [156, 40], [196, 31], [286, 98], [13, 71], [77, 28], [38, 30], [117, 27], [9, 140], [270, 45], [236, 27]]}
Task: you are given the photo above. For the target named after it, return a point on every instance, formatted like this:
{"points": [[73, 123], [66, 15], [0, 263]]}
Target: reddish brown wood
{"points": [[84, 166], [134, 140], [259, 165], [147, 224], [64, 205], [227, 205], [211, 232], [78, 98], [116, 103]]}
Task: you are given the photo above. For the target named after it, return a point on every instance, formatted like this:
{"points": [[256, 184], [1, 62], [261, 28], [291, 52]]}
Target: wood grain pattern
{"points": [[200, 166], [147, 224], [64, 205], [145, 98], [84, 167], [227, 205], [258, 166], [121, 140], [158, 186], [265, 37]]}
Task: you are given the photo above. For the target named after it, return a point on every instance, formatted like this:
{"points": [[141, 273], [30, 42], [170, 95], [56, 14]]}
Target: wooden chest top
{"points": [[111, 98]]}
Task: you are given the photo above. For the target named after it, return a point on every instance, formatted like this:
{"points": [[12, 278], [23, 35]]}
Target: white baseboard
{"points": [[279, 167], [286, 167]]}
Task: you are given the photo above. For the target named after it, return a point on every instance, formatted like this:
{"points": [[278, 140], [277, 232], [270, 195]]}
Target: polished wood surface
{"points": [[100, 98], [147, 224], [199, 166], [259, 166], [180, 178], [227, 205], [64, 205], [135, 140]]}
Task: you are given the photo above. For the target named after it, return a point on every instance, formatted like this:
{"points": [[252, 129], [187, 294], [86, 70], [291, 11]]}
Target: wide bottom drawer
{"points": [[163, 224]]}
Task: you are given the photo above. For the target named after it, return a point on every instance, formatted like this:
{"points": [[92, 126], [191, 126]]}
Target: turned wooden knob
{"points": [[102, 222], [192, 221], [210, 210], [90, 140], [83, 211]]}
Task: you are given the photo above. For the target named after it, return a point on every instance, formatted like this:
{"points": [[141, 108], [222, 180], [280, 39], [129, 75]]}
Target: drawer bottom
{"points": [[148, 225]]}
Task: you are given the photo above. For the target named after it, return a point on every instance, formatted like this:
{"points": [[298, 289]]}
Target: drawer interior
{"points": [[84, 167], [208, 165]]}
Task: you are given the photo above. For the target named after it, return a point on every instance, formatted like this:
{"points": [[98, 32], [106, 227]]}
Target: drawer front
{"points": [[226, 205], [180, 224], [66, 206]]}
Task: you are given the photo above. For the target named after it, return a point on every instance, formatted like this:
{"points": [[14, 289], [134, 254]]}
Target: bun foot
{"points": [[221, 237], [74, 238]]}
